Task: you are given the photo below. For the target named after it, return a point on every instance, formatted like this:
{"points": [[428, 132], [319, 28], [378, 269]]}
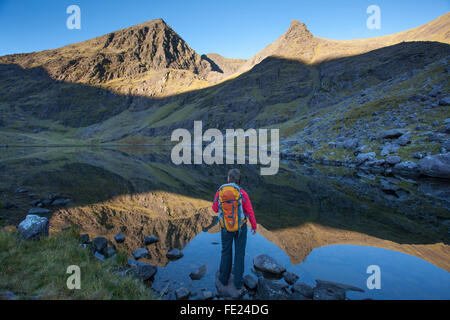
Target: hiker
{"points": [[234, 207]]}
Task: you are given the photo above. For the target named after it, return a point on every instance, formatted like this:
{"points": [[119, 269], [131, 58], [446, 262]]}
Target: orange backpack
{"points": [[231, 215]]}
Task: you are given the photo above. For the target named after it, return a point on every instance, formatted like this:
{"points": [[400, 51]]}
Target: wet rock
{"points": [[266, 263], [228, 290], [150, 239], [84, 239], [393, 160], [437, 166], [99, 244], [250, 282], [38, 211], [140, 253], [145, 272], [290, 277], [174, 254], [33, 227], [271, 290], [198, 273], [119, 238], [182, 293], [303, 289]]}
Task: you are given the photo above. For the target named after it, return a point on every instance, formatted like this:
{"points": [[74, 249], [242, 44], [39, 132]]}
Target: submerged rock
{"points": [[182, 293], [33, 227], [198, 273]]}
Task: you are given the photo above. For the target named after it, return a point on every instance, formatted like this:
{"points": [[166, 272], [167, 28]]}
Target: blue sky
{"points": [[235, 29]]}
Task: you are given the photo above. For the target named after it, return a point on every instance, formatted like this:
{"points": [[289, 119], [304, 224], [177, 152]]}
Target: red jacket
{"points": [[246, 206]]}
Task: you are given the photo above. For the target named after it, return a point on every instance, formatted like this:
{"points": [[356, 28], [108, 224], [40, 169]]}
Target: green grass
{"points": [[38, 268]]}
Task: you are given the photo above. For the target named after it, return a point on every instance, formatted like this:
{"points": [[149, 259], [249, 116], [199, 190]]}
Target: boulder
{"points": [[406, 168], [271, 290], [268, 264], [392, 134], [250, 282], [33, 227], [140, 253], [119, 238], [404, 139], [174, 254], [389, 148], [437, 166], [290, 277], [99, 244], [150, 239], [393, 160], [198, 273], [363, 157]]}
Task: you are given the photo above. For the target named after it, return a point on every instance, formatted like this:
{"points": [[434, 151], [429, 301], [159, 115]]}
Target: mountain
{"points": [[138, 84]]}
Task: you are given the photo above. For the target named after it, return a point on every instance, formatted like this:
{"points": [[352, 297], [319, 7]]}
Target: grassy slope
{"points": [[38, 268]]}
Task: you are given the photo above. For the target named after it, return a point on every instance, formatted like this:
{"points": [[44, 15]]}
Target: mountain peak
{"points": [[298, 30]]}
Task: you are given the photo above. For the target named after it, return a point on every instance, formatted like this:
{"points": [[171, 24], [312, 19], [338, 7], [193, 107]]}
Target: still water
{"points": [[319, 222]]}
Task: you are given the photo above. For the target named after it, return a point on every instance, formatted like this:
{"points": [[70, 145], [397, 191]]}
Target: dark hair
{"points": [[234, 176]]}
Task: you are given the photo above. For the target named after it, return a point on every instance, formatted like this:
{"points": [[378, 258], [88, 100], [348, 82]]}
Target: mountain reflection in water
{"points": [[139, 192]]}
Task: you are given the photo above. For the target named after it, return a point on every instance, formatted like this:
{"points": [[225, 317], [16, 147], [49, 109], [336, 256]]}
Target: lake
{"points": [[319, 222]]}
